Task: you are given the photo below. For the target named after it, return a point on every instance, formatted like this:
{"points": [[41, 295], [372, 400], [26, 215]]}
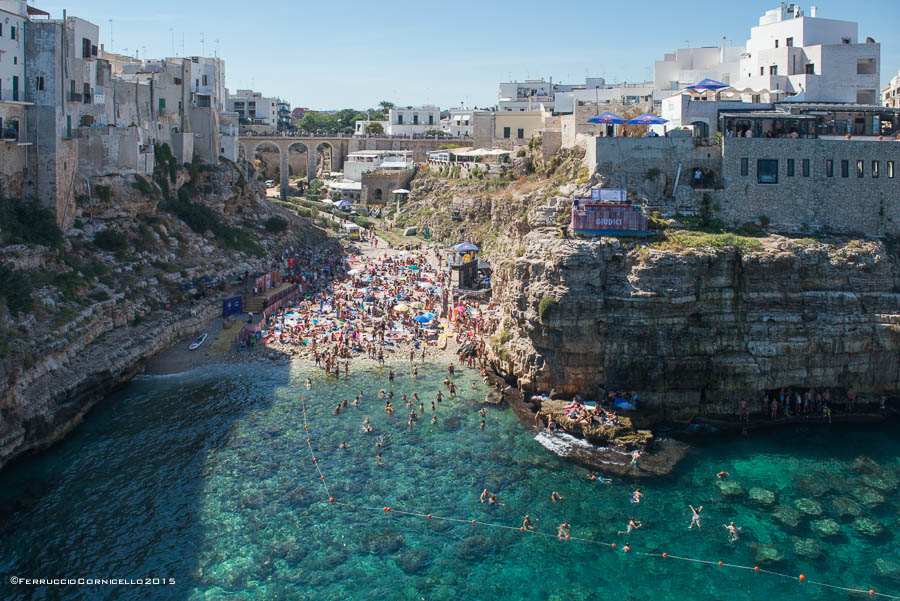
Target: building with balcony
{"points": [[687, 66], [811, 58], [890, 95], [525, 96], [413, 121], [255, 109]]}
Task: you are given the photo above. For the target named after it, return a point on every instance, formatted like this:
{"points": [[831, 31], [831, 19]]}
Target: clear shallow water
{"points": [[205, 478]]}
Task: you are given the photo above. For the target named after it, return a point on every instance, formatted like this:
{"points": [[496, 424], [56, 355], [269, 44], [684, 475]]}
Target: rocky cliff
{"points": [[83, 310], [697, 330]]}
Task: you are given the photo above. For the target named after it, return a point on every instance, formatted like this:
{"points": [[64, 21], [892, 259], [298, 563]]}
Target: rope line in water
{"points": [[475, 522]]}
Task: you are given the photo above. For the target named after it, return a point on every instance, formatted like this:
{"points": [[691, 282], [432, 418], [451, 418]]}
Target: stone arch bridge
{"points": [[340, 148]]}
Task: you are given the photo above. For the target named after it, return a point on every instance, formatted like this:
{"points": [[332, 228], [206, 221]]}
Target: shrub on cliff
{"points": [[276, 224], [28, 223], [546, 305], [110, 240], [142, 185], [15, 289]]}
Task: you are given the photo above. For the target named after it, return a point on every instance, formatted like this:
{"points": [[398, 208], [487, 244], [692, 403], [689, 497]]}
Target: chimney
{"points": [[814, 11], [722, 54], [797, 11]]}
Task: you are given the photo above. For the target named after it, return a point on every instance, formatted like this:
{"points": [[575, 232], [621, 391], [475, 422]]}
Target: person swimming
{"points": [[555, 496], [633, 524], [563, 531], [434, 419], [722, 474], [732, 531], [526, 523], [695, 516], [343, 445], [308, 383], [636, 496], [484, 495], [626, 548]]}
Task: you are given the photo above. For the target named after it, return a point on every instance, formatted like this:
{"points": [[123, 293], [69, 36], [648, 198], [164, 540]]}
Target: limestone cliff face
{"points": [[696, 332]]}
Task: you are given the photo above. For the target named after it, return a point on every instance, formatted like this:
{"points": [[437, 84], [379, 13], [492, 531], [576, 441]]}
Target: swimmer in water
{"points": [[563, 531], [732, 532], [484, 495], [555, 496], [439, 397], [636, 496], [634, 457], [355, 402], [381, 394], [308, 383], [474, 386], [343, 445], [633, 524], [695, 516], [482, 424], [379, 442], [626, 548], [432, 406], [416, 397], [482, 412], [434, 419], [388, 408], [526, 523], [722, 474], [378, 460]]}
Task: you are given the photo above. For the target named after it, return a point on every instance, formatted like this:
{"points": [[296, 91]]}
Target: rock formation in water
{"points": [[695, 331]]}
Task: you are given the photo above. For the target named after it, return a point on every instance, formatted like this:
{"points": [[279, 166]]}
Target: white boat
{"points": [[199, 340]]}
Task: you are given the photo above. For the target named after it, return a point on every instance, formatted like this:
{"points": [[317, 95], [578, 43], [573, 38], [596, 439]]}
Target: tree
{"points": [[435, 132], [386, 106], [374, 128]]}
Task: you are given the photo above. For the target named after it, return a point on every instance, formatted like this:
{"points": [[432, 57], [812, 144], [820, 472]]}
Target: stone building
{"points": [[890, 95]]}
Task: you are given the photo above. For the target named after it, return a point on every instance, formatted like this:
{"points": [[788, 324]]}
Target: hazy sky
{"points": [[347, 53]]}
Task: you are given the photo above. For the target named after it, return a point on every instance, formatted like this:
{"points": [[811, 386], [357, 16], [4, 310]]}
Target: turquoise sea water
{"points": [[205, 477]]}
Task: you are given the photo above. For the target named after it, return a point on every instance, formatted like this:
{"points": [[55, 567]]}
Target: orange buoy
{"points": [[429, 515], [522, 528], [614, 545], [308, 441], [321, 477], [304, 411], [871, 591], [720, 563], [331, 499], [665, 554], [801, 578], [314, 460], [473, 521], [756, 569], [567, 537], [387, 508]]}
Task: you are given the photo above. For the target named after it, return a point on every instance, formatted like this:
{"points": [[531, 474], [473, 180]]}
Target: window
{"points": [[85, 48], [162, 104], [745, 167], [874, 169], [790, 167], [845, 168], [789, 42], [829, 168], [845, 41], [415, 119], [776, 43], [12, 32], [506, 132], [860, 169], [430, 119], [177, 81], [520, 133], [890, 169], [93, 50], [399, 118], [206, 80], [15, 84], [767, 171], [811, 69], [40, 83], [1, 29], [805, 167], [762, 70], [773, 70]]}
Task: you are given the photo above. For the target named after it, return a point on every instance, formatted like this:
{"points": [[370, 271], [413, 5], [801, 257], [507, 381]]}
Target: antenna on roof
{"points": [[110, 36], [202, 46]]}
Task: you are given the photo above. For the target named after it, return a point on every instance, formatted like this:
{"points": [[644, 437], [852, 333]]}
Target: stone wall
{"points": [[865, 205], [386, 182], [12, 169]]}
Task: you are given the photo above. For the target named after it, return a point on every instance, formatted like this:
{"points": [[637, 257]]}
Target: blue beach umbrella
{"points": [[465, 247], [708, 84], [647, 119], [421, 319], [607, 119]]}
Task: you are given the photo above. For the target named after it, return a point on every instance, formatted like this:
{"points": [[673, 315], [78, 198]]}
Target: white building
{"points": [[208, 83], [461, 123], [413, 121], [890, 96], [687, 66], [525, 96], [816, 59], [624, 93], [254, 107], [364, 161], [13, 15]]}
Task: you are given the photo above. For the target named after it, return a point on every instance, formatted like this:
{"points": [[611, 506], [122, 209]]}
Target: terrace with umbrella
{"points": [[610, 120]]}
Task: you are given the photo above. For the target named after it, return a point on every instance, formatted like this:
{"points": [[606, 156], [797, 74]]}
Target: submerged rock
{"points": [[809, 507], [474, 547], [814, 485], [807, 547], [846, 508], [884, 481], [868, 526], [762, 496], [866, 464], [412, 561], [766, 553], [826, 527], [868, 496], [788, 516], [887, 569], [729, 488]]}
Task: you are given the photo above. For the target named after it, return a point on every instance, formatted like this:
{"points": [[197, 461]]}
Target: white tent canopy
{"points": [[400, 191], [480, 152]]}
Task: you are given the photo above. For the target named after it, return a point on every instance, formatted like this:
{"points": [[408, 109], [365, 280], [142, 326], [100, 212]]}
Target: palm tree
{"points": [[386, 106]]}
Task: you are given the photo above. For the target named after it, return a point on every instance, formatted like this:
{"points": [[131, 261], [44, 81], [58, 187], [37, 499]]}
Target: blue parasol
{"points": [[421, 319], [647, 119], [465, 246], [608, 119], [708, 84]]}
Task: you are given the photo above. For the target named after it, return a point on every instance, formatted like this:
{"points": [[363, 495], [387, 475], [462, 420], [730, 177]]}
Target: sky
{"points": [[353, 54]]}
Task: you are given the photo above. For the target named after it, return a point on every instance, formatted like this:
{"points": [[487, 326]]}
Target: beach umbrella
{"points": [[417, 305], [413, 267], [708, 84], [370, 298], [429, 315], [607, 119], [647, 119], [460, 309], [421, 319], [401, 308], [465, 247]]}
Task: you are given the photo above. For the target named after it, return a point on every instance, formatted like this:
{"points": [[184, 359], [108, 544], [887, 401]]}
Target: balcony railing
{"points": [[75, 97]]}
